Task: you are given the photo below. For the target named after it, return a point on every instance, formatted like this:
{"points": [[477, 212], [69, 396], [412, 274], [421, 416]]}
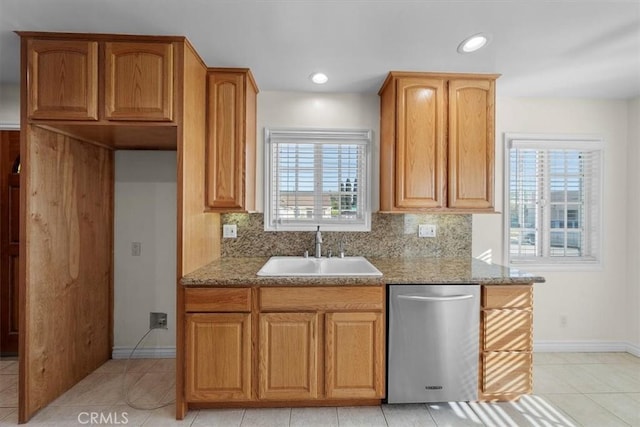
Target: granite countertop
{"points": [[242, 272]]}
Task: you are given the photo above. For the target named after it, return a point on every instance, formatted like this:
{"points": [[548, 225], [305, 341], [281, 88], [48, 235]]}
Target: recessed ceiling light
{"points": [[319, 78], [473, 43]]}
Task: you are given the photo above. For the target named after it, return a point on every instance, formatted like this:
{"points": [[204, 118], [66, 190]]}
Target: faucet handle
{"points": [[329, 253], [306, 254], [341, 248]]}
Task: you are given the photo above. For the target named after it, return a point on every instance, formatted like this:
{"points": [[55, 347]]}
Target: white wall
{"points": [[600, 306], [145, 211], [633, 224], [9, 105], [594, 302], [318, 110]]}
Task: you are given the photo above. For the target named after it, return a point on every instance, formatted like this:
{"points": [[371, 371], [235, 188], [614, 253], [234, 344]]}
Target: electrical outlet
{"points": [[158, 321], [563, 320], [229, 231], [136, 248], [426, 230]]}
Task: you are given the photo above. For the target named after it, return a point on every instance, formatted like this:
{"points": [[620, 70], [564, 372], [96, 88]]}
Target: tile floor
{"points": [[570, 389]]}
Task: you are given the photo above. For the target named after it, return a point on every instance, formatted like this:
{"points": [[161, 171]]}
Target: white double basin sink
{"points": [[301, 266]]}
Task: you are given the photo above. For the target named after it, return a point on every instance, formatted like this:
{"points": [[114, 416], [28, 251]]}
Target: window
{"points": [[317, 177], [553, 188]]}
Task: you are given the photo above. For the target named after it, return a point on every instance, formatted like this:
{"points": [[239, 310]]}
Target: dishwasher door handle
{"points": [[436, 299]]}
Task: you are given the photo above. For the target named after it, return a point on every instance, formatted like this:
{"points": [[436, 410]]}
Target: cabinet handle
{"points": [[426, 299]]}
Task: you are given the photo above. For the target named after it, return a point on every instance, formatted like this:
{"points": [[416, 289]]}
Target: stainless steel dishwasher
{"points": [[433, 343]]}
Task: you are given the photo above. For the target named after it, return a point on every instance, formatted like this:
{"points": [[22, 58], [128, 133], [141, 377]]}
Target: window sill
{"points": [[556, 267]]}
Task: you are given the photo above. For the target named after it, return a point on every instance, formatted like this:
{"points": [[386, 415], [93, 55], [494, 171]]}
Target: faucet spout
{"points": [[318, 243]]}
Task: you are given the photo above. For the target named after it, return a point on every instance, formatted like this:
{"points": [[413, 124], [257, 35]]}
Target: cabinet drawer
{"points": [[506, 372], [507, 296], [322, 298], [217, 300], [507, 330]]}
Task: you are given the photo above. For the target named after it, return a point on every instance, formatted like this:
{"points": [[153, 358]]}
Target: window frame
{"points": [[324, 135], [550, 142]]}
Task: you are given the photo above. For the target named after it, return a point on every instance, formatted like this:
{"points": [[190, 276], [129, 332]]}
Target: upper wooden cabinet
{"points": [[437, 142], [62, 79], [97, 79], [138, 82], [471, 143], [231, 140]]}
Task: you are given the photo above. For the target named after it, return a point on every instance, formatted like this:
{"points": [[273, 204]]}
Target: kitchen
{"points": [[613, 119]]}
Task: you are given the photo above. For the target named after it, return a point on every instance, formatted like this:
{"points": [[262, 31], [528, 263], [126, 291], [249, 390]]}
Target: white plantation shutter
{"points": [[317, 177], [554, 199]]}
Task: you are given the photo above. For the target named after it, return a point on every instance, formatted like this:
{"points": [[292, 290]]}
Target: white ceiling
{"points": [[579, 48]]}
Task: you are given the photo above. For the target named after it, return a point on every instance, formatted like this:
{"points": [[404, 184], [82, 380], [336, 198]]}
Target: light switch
{"points": [[426, 230], [136, 248], [229, 231]]}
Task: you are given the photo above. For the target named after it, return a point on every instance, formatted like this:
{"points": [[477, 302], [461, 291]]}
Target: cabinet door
{"points": [[354, 355], [62, 79], [225, 141], [139, 81], [288, 366], [471, 144], [420, 146], [218, 357]]}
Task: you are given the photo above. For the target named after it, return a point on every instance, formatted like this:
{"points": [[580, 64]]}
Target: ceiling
{"points": [[579, 48]]}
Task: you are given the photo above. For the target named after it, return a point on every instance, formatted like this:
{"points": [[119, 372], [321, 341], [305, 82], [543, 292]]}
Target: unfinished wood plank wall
{"points": [[66, 279]]}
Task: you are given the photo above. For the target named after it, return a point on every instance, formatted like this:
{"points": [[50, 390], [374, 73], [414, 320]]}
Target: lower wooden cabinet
{"points": [[506, 342], [284, 344], [288, 355], [354, 364], [273, 345], [218, 357]]}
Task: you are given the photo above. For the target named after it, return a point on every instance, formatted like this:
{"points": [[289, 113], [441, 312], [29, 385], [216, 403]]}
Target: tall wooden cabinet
{"points": [[83, 96], [231, 140], [437, 142]]}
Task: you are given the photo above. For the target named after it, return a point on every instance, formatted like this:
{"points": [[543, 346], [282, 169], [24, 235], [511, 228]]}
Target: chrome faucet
{"points": [[318, 243]]}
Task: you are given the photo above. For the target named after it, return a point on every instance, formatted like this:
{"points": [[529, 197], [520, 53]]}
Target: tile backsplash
{"points": [[391, 235]]}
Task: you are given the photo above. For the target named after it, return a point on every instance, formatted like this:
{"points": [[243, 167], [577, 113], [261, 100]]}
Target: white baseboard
{"points": [[144, 353], [633, 349], [9, 126], [585, 347]]}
